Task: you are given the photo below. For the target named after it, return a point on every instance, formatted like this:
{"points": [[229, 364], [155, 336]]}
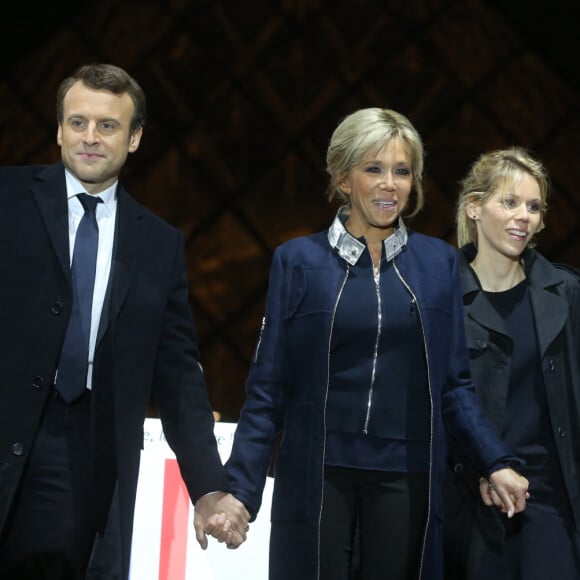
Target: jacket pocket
{"points": [[308, 292]]}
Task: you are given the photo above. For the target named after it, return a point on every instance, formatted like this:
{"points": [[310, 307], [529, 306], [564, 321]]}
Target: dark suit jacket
{"points": [[146, 344]]}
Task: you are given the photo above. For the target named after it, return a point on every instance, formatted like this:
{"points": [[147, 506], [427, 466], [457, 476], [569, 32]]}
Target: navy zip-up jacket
{"points": [[287, 390]]}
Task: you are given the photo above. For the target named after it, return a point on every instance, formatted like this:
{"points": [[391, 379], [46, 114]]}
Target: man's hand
{"points": [[222, 516], [505, 489]]}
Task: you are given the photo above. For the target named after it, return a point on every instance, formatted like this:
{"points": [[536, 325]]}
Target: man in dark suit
{"points": [[77, 374]]}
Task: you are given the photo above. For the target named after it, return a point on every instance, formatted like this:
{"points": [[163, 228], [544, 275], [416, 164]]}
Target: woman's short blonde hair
{"points": [[365, 132], [487, 174]]}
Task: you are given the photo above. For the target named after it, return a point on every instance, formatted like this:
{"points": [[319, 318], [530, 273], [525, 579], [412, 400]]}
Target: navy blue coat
{"points": [[287, 389], [146, 345]]}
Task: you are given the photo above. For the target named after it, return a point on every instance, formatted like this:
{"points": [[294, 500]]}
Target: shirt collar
{"points": [[350, 249], [74, 187]]}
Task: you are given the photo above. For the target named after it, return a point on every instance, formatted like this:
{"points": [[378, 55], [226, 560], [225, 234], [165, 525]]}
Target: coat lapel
{"points": [[549, 308], [479, 308], [550, 314], [126, 249], [486, 316], [50, 193]]}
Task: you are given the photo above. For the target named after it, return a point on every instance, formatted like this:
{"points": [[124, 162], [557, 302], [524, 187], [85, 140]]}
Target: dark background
{"points": [[243, 97]]}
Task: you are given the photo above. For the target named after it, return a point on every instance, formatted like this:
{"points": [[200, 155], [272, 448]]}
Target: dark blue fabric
{"points": [[49, 535], [287, 388], [395, 436], [146, 348], [74, 359]]}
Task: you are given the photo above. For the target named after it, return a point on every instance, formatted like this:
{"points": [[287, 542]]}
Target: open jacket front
{"points": [[146, 345], [554, 294], [288, 385]]}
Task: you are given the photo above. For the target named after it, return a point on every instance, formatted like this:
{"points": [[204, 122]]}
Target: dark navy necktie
{"points": [[71, 379]]}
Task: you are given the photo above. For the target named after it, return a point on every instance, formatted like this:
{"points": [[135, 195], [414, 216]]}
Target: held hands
{"points": [[222, 516], [505, 489]]}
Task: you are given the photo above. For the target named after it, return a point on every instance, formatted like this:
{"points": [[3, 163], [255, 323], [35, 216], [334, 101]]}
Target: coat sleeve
{"points": [[260, 418], [464, 418], [180, 392]]}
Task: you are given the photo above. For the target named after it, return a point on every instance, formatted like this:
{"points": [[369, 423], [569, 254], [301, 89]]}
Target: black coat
{"points": [[146, 346], [555, 298]]}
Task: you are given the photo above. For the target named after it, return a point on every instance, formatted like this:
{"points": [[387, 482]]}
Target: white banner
{"points": [[164, 545]]}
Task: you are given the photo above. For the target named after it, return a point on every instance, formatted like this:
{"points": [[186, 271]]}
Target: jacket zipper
{"points": [[325, 401], [375, 353], [415, 307], [260, 339]]}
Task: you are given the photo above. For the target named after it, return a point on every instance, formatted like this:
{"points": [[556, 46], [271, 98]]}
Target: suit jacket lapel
{"points": [[126, 249], [50, 194]]}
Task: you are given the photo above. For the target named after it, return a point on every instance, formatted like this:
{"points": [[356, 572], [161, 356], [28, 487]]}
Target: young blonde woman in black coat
{"points": [[522, 319]]}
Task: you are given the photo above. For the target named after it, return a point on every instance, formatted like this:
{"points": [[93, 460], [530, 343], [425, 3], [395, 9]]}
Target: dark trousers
{"points": [[372, 524], [51, 530]]}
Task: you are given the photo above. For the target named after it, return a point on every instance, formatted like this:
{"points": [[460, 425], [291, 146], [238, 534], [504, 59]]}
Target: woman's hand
{"points": [[506, 489]]}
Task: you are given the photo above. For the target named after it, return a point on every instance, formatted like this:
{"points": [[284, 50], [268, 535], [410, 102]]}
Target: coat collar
{"points": [[350, 249], [549, 307], [539, 271]]}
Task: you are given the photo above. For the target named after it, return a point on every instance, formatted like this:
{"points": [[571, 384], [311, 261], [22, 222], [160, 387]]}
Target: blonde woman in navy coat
{"points": [[361, 366], [522, 319]]}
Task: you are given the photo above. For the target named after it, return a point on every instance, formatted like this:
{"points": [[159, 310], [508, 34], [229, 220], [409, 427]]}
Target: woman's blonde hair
{"points": [[490, 172], [368, 131]]}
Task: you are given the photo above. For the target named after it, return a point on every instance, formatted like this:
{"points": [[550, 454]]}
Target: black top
{"points": [[530, 435]]}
